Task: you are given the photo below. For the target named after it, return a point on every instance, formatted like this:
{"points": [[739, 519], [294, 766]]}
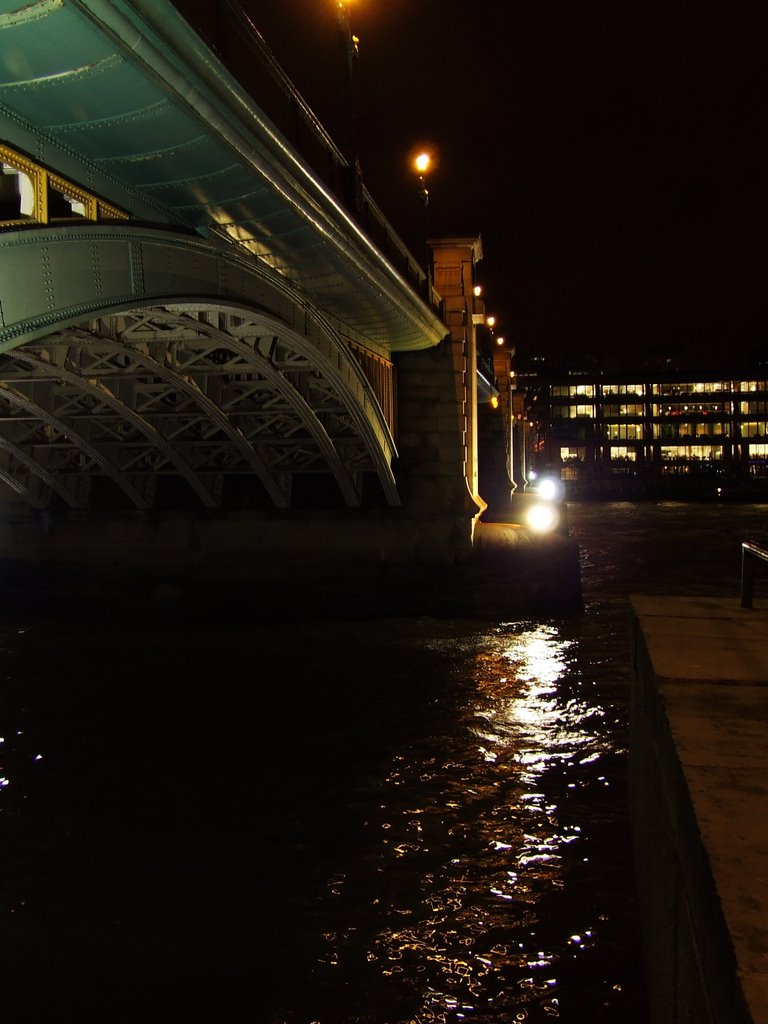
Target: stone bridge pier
{"points": [[437, 416]]}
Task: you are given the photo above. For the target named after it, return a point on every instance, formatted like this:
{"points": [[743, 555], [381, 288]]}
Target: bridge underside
{"points": [[153, 405], [140, 369]]}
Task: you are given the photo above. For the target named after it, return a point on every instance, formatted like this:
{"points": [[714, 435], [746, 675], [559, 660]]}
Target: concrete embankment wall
{"points": [[308, 564], [699, 806]]}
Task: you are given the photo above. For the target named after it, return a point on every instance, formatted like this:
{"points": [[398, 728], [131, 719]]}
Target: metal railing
{"points": [[750, 554]]}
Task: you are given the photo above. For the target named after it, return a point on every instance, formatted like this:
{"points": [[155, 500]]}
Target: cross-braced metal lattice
{"points": [[201, 394]]}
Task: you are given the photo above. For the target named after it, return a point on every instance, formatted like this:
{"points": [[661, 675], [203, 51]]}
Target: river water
{"points": [[396, 821]]}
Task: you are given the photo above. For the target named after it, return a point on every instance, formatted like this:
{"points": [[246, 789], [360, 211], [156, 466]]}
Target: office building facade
{"points": [[650, 435]]}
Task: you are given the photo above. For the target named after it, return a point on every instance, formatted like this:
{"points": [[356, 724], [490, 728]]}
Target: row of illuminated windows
{"points": [[688, 409], [669, 453], [572, 391], [713, 452], [572, 412], [639, 390], [629, 409], [623, 431], [691, 452], [702, 388], [637, 409], [673, 430], [635, 431], [30, 194]]}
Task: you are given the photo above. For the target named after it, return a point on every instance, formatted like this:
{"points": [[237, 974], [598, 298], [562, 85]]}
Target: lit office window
{"points": [[635, 390], [623, 431], [689, 408], [621, 452], [572, 412], [572, 454], [701, 388], [623, 409], [753, 408], [691, 453]]}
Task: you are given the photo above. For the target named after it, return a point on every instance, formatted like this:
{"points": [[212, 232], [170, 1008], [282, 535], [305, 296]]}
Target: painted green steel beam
{"points": [[125, 96]]}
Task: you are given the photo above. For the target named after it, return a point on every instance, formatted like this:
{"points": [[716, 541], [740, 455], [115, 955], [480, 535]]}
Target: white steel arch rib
{"points": [[157, 273], [314, 375], [78, 441], [51, 479], [322, 346], [282, 386], [209, 408], [20, 489], [103, 394]]}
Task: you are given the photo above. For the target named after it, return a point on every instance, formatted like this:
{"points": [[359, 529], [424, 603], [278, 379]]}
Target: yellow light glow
{"points": [[499, 340], [422, 162], [491, 320], [494, 402], [478, 290]]}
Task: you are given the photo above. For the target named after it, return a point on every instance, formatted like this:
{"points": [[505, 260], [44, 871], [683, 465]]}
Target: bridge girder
{"points": [[170, 356], [199, 391], [130, 114]]}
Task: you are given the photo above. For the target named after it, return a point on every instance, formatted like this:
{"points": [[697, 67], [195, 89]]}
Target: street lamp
{"points": [[421, 163], [351, 51]]}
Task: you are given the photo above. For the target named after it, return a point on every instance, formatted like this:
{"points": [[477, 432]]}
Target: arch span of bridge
{"points": [[137, 171], [170, 356]]}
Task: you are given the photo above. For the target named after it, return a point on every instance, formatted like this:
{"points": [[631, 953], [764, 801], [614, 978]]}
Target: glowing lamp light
{"points": [[494, 402], [477, 290], [422, 162], [549, 489], [542, 518], [490, 321], [499, 340]]}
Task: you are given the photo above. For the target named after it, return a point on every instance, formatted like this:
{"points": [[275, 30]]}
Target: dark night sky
{"points": [[608, 153]]}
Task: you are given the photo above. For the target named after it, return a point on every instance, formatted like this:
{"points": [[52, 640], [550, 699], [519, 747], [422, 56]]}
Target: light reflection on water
{"points": [[390, 822], [474, 847], [420, 842]]}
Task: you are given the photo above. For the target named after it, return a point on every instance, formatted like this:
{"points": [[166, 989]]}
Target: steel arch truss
{"points": [[198, 392]]}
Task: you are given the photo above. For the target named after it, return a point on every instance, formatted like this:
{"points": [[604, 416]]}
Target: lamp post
{"points": [[422, 164], [351, 45]]}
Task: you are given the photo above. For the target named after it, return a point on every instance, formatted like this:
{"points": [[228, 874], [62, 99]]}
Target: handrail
{"points": [[750, 552]]}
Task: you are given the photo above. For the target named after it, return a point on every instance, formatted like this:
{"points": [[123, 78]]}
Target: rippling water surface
{"points": [[389, 822]]}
